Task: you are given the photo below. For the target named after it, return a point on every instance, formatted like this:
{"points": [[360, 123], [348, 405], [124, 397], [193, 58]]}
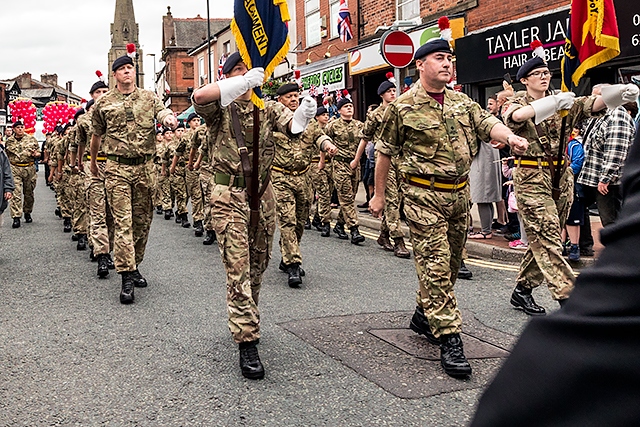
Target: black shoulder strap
{"points": [[242, 147]]}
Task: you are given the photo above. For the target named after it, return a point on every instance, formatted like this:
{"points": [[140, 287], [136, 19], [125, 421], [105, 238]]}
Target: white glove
{"points": [[233, 87], [547, 106], [616, 95], [303, 114]]}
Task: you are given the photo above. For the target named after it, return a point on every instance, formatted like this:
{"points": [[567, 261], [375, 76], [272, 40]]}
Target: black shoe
{"points": [[103, 269], [250, 364], [67, 225], [420, 325], [168, 214], [522, 298], [464, 272], [356, 237], [198, 228], [159, 210], [325, 230], [364, 205], [184, 220], [178, 218], [75, 237], [110, 263], [316, 222], [452, 357], [283, 267], [127, 293], [307, 225], [58, 212], [138, 280], [339, 230], [586, 252], [295, 280], [16, 223], [27, 218], [210, 239], [82, 242]]}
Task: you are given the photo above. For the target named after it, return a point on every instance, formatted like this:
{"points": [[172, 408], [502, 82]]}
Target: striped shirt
{"points": [[605, 147]]}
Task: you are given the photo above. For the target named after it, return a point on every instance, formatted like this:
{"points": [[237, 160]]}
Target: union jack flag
{"points": [[344, 22], [325, 92], [313, 91], [338, 95], [223, 59]]}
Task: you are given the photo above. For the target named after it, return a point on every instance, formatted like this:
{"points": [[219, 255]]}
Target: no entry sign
{"points": [[396, 48]]}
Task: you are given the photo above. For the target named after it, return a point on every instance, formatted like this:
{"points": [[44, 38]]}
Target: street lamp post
{"points": [[209, 42], [155, 76]]}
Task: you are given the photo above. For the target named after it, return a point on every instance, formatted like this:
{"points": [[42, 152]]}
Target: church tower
{"points": [[124, 30]]}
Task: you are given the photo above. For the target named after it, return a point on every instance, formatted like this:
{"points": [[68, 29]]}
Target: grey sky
{"points": [[72, 37]]}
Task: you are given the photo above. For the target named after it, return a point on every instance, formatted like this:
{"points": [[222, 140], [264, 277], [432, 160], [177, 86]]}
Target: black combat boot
{"points": [[58, 212], [159, 210], [317, 223], [168, 214], [325, 229], [356, 237], [295, 279], [383, 240], [307, 224], [399, 249], [184, 220], [103, 268], [127, 294], [464, 272], [339, 230], [178, 218], [210, 239], [27, 218], [250, 364], [16, 223], [92, 256], [82, 242], [198, 228], [110, 263], [522, 298], [67, 225], [138, 280], [452, 356], [75, 237], [420, 325]]}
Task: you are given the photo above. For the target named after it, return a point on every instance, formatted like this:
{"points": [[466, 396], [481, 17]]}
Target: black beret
{"points": [[78, 114], [122, 61], [192, 116], [89, 104], [180, 125], [98, 85], [385, 86], [436, 45], [165, 130], [530, 65], [231, 62], [343, 102], [287, 88], [320, 111], [18, 123]]}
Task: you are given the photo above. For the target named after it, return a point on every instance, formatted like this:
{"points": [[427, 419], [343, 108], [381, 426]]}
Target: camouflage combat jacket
{"points": [[182, 147], [294, 152], [222, 147], [346, 136], [169, 149], [71, 139], [126, 122], [550, 127], [19, 150], [372, 123], [434, 139]]}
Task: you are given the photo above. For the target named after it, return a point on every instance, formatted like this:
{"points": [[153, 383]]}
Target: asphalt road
{"points": [[71, 354]]}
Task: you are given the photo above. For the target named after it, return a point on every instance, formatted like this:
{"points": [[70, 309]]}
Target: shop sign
{"points": [[332, 79], [628, 16]]}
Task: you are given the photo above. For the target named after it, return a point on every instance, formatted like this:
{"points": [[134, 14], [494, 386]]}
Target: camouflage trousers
{"points": [[22, 200], [206, 183], [78, 200], [391, 222], [293, 200], [157, 189], [63, 193], [101, 225], [346, 182], [129, 193], [438, 225], [245, 254], [194, 192], [543, 220], [179, 187], [322, 182], [168, 195]]}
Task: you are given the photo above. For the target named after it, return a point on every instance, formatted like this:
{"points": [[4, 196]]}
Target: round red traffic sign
{"points": [[396, 48]]}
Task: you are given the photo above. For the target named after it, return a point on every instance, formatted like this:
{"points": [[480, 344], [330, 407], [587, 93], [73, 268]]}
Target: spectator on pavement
{"points": [[576, 212]]}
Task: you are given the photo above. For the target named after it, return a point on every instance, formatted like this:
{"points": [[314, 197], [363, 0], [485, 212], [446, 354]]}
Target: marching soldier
{"points": [[77, 191], [435, 130], [123, 128], [63, 176], [21, 148], [177, 172], [200, 149], [322, 181], [245, 244], [168, 194]]}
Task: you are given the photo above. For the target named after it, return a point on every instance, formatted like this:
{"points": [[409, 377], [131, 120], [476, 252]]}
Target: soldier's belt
{"points": [[536, 162], [432, 182], [289, 172], [238, 181], [317, 159], [130, 161], [341, 159], [99, 158], [22, 165]]}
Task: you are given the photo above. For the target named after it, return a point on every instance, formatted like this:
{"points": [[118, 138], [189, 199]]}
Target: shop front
{"points": [[326, 76]]}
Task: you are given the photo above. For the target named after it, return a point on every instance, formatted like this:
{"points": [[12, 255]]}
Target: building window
{"points": [[202, 73], [312, 22], [226, 48], [187, 70], [407, 9], [334, 6]]}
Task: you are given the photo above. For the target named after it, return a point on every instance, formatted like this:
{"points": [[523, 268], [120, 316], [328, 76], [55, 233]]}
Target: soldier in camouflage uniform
{"points": [[21, 148], [435, 130], [291, 183], [123, 128], [168, 195], [344, 132], [391, 226], [177, 175], [63, 175], [199, 158], [320, 173], [533, 115], [245, 247], [77, 190], [157, 161]]}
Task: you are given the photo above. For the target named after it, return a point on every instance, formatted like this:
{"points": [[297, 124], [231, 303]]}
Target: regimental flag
{"points": [[262, 35], [344, 22], [592, 38]]}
